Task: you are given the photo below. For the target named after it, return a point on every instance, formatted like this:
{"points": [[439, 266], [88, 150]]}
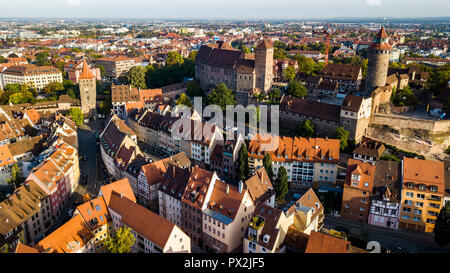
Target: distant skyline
{"points": [[230, 9]]}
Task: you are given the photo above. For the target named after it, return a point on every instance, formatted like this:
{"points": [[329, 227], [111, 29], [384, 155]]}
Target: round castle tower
{"points": [[379, 55]]}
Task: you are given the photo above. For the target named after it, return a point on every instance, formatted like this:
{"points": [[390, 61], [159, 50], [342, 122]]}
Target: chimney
{"points": [[241, 185], [228, 189], [121, 195], [27, 187], [18, 195], [173, 168]]}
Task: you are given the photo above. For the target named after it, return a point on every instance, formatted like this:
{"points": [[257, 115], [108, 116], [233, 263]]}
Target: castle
{"points": [[239, 71]]}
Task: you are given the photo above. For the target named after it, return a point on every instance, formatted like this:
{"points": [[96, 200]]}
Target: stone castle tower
{"points": [[379, 55], [88, 92], [264, 66]]}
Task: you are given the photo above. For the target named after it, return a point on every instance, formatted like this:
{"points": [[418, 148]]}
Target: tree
{"points": [[221, 96], [296, 89], [102, 70], [267, 163], [105, 107], [53, 88], [281, 184], [343, 136], [174, 57], [183, 99], [136, 77], [274, 94], [243, 163], [442, 226], [2, 59], [21, 97], [121, 241], [16, 177], [306, 66], [77, 115], [193, 89], [307, 128], [42, 58], [289, 73], [404, 97]]}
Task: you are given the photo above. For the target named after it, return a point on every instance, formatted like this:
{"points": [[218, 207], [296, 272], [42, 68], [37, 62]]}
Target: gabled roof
{"points": [[23, 248], [259, 186], [121, 187], [324, 243]]}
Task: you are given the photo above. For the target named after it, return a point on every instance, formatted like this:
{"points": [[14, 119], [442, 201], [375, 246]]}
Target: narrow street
{"points": [[395, 240]]}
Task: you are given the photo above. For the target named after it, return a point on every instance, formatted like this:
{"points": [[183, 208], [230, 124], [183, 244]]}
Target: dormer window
{"points": [[411, 185], [422, 187], [433, 188]]}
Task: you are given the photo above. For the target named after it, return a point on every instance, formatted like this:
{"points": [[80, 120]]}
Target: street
{"points": [[394, 240]]}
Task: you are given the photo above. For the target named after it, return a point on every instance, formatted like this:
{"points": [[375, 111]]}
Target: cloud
{"points": [[74, 2], [373, 2]]}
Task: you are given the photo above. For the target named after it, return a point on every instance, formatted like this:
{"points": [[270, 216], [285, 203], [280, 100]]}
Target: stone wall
{"points": [[426, 137]]}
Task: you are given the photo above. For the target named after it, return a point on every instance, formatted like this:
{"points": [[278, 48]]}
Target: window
{"points": [[405, 217], [409, 194]]}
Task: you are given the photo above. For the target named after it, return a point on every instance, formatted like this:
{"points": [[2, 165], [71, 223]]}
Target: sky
{"points": [[223, 9]]}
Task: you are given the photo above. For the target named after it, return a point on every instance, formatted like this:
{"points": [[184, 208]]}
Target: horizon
{"points": [[208, 10]]}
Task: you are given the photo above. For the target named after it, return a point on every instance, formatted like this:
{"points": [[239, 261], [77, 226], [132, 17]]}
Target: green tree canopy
{"points": [[136, 77], [243, 163], [53, 88], [120, 241], [274, 94], [404, 97], [194, 89], [307, 128], [16, 177], [281, 184], [289, 73], [184, 99], [442, 226], [76, 115], [42, 58], [267, 163], [296, 89], [221, 96], [343, 135], [174, 57]]}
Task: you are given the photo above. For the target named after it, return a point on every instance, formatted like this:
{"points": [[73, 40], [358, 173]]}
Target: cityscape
{"points": [[320, 132]]}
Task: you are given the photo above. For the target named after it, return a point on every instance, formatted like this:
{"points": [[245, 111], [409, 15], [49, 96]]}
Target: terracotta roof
{"points": [[370, 147], [121, 187], [365, 170], [295, 240], [198, 184], [33, 115], [387, 180], [145, 222], [296, 149], [271, 218], [430, 173], [323, 243], [6, 157], [352, 103], [68, 238], [225, 203], [308, 200], [94, 212], [33, 145], [264, 44], [23, 248], [382, 34], [259, 186]]}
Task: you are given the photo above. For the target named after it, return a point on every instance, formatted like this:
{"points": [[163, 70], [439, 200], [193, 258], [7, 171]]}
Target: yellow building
{"points": [[423, 192], [95, 214]]}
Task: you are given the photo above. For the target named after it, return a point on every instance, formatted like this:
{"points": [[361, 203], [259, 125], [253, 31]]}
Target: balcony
{"points": [[257, 222]]}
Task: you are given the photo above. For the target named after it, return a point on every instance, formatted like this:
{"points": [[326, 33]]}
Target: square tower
{"points": [[88, 92], [264, 66]]}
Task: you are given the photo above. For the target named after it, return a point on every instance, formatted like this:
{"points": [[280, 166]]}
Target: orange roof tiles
{"points": [[197, 186], [226, 203], [94, 212], [23, 248], [68, 238], [297, 149], [365, 170], [33, 115], [86, 73], [6, 157], [121, 187], [324, 243], [430, 173]]}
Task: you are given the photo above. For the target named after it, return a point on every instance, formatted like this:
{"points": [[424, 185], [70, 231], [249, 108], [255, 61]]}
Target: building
{"points": [[36, 76], [355, 115], [423, 190], [72, 237], [260, 188], [88, 93], [220, 63], [152, 233], [305, 160], [357, 190], [25, 216], [386, 195], [123, 94], [74, 69], [348, 77], [379, 55], [225, 217], [266, 230], [369, 150], [324, 243], [324, 116], [96, 216], [115, 67]]}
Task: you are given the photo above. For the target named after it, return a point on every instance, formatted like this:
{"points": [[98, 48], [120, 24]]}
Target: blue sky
{"points": [[234, 9]]}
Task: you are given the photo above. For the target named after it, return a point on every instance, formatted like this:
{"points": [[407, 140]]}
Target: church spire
{"points": [[86, 73]]}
